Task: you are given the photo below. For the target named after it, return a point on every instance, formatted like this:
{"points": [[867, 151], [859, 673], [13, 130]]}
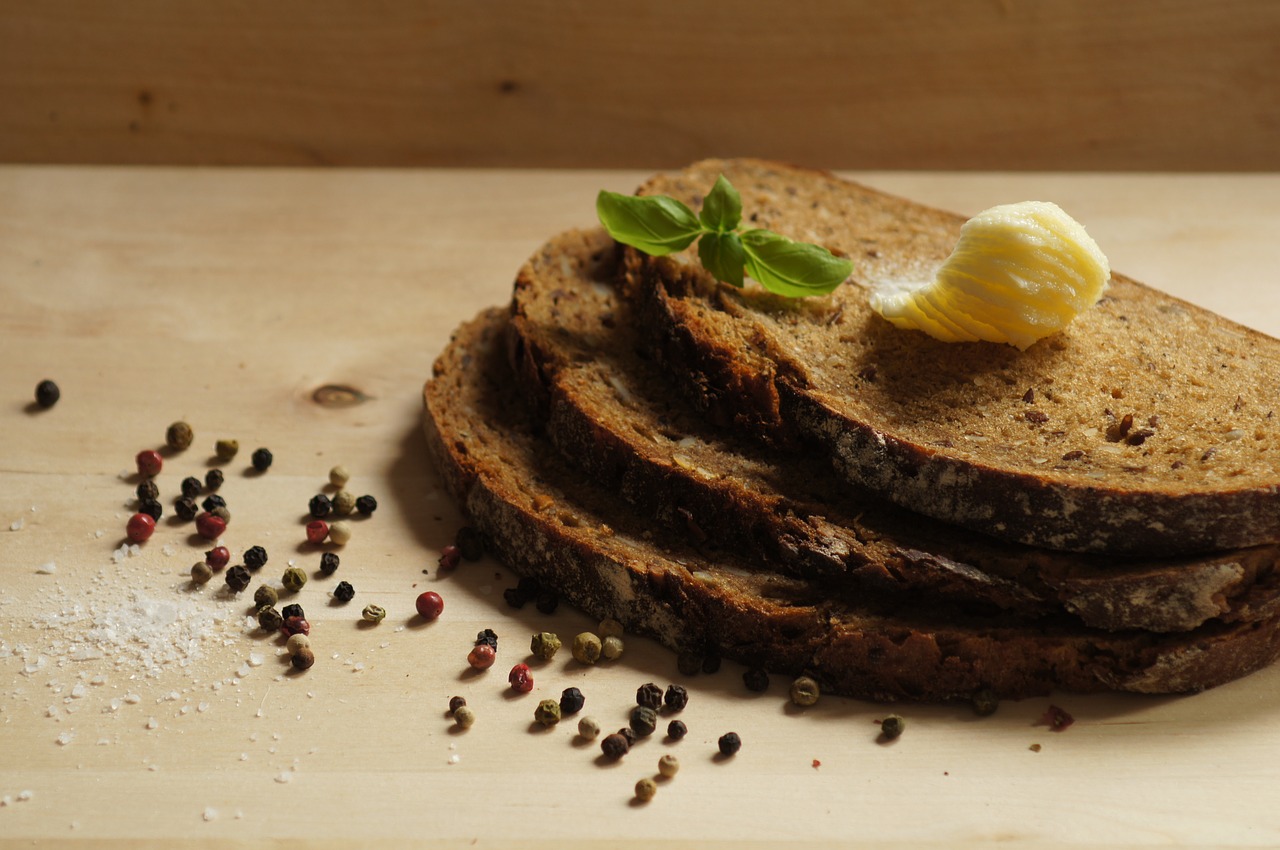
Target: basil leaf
{"points": [[722, 255], [722, 210], [793, 269], [657, 225]]}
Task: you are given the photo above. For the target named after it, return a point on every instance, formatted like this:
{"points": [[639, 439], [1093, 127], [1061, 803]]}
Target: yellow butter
{"points": [[1019, 273]]}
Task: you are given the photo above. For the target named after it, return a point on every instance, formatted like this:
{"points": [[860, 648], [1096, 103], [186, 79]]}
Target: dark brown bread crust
{"points": [[943, 428], [542, 519], [610, 412]]}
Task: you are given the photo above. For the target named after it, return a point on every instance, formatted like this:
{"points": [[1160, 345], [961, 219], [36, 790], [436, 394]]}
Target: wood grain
{"points": [[1007, 84], [227, 297]]}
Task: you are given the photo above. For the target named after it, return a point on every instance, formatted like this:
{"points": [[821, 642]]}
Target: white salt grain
{"points": [[16, 525], [210, 813], [284, 777], [152, 723], [65, 738], [47, 569]]}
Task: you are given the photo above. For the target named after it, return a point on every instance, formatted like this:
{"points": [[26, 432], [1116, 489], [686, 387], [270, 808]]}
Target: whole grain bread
{"points": [[545, 519], [1147, 426], [575, 348]]}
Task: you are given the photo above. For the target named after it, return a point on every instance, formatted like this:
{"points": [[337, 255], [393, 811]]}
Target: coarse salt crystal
{"points": [[16, 525], [65, 738], [255, 659], [284, 777], [47, 569], [152, 723], [210, 813]]}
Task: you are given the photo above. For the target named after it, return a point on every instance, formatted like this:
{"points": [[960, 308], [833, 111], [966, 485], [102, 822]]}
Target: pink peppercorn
{"points": [[210, 527], [450, 557], [149, 463], [520, 678], [482, 656], [296, 626], [317, 530], [429, 605], [140, 527], [217, 557]]}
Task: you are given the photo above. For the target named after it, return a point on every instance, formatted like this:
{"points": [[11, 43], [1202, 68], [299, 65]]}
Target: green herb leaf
{"points": [[722, 210], [722, 254], [793, 269], [657, 225]]}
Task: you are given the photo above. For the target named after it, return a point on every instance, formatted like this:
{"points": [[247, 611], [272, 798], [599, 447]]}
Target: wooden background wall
{"points": [[991, 84]]}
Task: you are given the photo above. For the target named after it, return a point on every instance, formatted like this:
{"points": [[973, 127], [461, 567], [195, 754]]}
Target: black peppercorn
{"points": [[329, 563], [148, 489], [689, 663], [185, 508], [262, 459], [151, 508], [320, 506], [729, 743], [515, 597], [191, 486], [628, 733], [547, 602], [487, 636], [677, 730], [366, 505], [676, 698], [255, 557], [985, 702], [214, 501], [756, 679], [47, 393], [471, 544], [294, 610], [614, 746], [643, 721], [213, 479], [711, 664], [344, 592], [649, 695], [571, 701], [456, 703], [238, 578]]}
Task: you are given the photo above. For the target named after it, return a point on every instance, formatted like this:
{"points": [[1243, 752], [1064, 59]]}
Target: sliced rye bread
{"points": [[545, 519], [1146, 426], [611, 412]]}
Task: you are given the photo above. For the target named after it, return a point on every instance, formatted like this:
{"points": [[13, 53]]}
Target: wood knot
{"points": [[335, 396]]}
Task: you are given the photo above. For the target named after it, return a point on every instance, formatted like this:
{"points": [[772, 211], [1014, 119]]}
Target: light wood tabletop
{"points": [[300, 310]]}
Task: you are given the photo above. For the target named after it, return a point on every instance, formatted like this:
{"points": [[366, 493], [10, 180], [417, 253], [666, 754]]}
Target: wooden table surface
{"points": [[137, 711]]}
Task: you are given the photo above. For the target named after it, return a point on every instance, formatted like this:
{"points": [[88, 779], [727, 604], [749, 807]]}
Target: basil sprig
{"points": [[659, 225]]}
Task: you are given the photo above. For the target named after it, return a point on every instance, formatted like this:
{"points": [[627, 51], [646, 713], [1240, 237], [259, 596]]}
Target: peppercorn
{"points": [[149, 463], [213, 501], [147, 489], [804, 691], [464, 717], [756, 679], [545, 645], [344, 592], [339, 532], [213, 479], [676, 698], [520, 678], [628, 733], [140, 527], [269, 619], [261, 459], [649, 695], [190, 486], [547, 602], [338, 476], [514, 597], [985, 702], [293, 610], [646, 789], [586, 648], [689, 663], [892, 726], [255, 557], [209, 526], [47, 393], [344, 503], [179, 436], [571, 701], [609, 627], [303, 659], [201, 572], [366, 505], [643, 721], [374, 613], [238, 578], [470, 543], [547, 713], [456, 703], [429, 605], [482, 656], [329, 563], [614, 746], [729, 743], [185, 507], [221, 513], [151, 508], [296, 626], [611, 648], [668, 766], [218, 557], [317, 531], [587, 727], [293, 579], [265, 595], [450, 557], [677, 730], [320, 506], [296, 641], [226, 450], [711, 663], [488, 636]]}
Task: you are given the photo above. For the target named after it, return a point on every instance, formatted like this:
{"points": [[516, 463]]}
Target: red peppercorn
{"points": [[429, 604], [520, 678], [140, 527], [217, 557], [149, 463], [296, 626], [482, 657], [317, 530], [450, 557], [210, 527]]}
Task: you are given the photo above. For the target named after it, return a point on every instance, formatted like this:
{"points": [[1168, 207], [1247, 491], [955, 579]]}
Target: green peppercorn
{"points": [[338, 476], [374, 613], [464, 717], [668, 766], [545, 645], [221, 513], [265, 595], [609, 627], [226, 450], [237, 578], [643, 721], [303, 659], [649, 695], [804, 691], [344, 592], [547, 713], [201, 572], [269, 619], [614, 746], [891, 727], [340, 532], [586, 648], [646, 789], [179, 436], [611, 648], [344, 503], [729, 743], [293, 579], [985, 702]]}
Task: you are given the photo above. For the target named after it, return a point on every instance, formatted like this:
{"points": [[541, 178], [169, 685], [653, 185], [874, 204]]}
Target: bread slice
{"points": [[544, 519], [575, 348], [1147, 426]]}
